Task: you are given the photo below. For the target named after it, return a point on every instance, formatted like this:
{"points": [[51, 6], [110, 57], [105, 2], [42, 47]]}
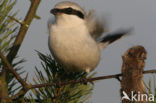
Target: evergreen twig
{"points": [[85, 80], [12, 70]]}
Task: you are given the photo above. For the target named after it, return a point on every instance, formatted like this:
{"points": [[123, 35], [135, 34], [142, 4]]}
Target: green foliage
{"points": [[13, 86], [52, 72], [7, 25], [8, 30]]}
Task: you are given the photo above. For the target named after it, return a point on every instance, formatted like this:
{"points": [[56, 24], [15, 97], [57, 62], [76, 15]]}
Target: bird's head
{"points": [[68, 11]]}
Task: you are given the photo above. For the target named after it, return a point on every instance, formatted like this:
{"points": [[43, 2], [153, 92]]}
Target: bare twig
{"points": [[21, 93], [7, 64], [18, 21], [23, 30], [84, 80], [149, 71]]}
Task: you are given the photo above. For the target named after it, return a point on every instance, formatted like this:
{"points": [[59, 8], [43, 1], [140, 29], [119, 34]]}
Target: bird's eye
{"points": [[69, 10]]}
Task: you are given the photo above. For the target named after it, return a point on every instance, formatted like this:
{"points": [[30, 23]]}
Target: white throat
{"points": [[69, 20]]}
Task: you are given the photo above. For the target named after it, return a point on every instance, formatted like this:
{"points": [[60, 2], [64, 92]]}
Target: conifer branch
{"points": [[22, 91], [84, 80], [12, 70], [16, 45]]}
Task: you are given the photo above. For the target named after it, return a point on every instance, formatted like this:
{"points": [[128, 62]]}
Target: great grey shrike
{"points": [[73, 38]]}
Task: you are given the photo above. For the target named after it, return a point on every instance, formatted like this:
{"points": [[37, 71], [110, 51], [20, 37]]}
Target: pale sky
{"points": [[139, 14]]}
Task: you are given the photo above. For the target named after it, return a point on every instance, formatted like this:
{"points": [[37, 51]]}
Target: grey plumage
{"points": [[95, 25], [74, 37]]}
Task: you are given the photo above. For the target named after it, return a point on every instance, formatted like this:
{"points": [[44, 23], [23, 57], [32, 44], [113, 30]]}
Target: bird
{"points": [[75, 37]]}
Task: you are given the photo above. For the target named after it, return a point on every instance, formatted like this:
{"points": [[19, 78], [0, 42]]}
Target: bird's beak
{"points": [[53, 11]]}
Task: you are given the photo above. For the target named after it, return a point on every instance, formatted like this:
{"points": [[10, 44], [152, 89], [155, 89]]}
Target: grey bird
{"points": [[74, 37]]}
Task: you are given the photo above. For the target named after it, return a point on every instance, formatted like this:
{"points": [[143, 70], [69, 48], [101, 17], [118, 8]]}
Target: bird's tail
{"points": [[112, 37]]}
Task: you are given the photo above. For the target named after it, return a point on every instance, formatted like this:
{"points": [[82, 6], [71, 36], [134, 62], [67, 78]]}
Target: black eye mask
{"points": [[68, 11]]}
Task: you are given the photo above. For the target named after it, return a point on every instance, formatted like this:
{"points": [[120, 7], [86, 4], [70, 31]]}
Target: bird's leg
{"points": [[87, 70]]}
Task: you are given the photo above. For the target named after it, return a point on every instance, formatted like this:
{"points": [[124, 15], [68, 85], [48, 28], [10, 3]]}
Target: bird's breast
{"points": [[74, 47]]}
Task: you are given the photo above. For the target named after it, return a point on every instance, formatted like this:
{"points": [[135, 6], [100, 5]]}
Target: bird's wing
{"points": [[112, 37], [95, 25]]}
